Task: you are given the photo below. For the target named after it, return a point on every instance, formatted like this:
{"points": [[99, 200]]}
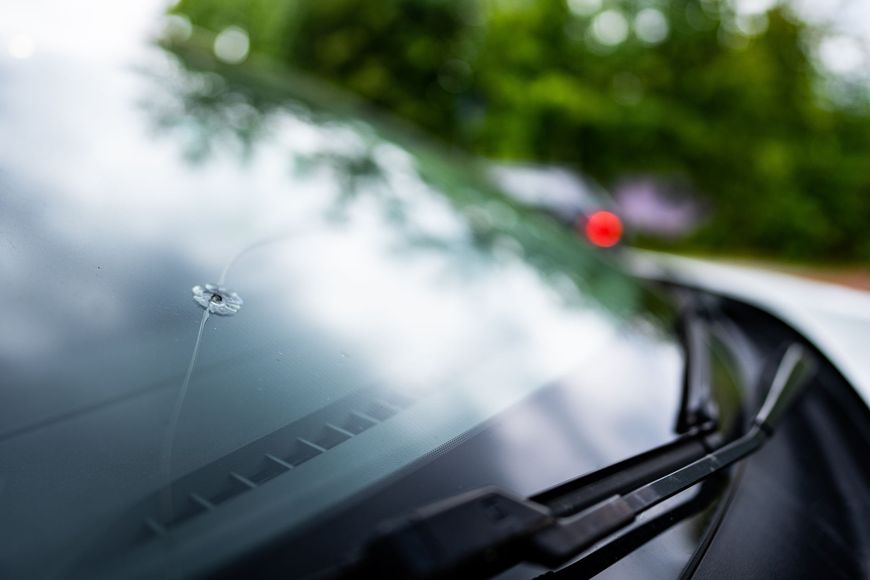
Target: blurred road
{"points": [[857, 277]]}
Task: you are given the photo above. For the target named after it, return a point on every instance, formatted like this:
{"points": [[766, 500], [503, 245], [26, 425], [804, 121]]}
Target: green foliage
{"points": [[736, 116]]}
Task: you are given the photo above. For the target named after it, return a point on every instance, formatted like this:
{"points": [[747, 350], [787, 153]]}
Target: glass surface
{"points": [[376, 280]]}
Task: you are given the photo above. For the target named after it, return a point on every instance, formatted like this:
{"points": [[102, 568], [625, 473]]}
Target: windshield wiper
{"points": [[486, 531], [697, 425], [697, 406]]}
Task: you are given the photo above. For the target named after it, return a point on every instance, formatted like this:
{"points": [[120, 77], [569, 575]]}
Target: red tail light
{"points": [[603, 229]]}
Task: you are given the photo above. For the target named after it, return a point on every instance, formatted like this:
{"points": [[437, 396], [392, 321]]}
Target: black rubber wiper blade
{"points": [[697, 405], [487, 531]]}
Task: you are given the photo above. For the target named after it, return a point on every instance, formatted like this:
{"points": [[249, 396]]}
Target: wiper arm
{"points": [[487, 531], [606, 553]]}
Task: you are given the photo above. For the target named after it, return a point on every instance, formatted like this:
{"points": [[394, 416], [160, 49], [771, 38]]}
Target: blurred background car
{"points": [[576, 203]]}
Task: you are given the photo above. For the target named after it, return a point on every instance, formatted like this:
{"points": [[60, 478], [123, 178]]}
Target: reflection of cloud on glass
{"points": [[21, 46], [433, 205]]}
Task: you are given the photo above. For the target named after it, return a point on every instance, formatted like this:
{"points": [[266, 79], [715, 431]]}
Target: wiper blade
{"points": [[697, 406], [486, 531], [697, 424]]}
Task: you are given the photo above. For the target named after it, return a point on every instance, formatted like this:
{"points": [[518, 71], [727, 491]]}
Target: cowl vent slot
{"points": [[275, 455]]}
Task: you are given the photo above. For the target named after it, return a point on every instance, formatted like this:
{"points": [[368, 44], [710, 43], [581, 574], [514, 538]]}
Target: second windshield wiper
{"points": [[697, 424], [487, 531], [697, 406]]}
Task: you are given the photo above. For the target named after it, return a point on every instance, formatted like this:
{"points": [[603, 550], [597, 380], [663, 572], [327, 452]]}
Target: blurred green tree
{"points": [[690, 91]]}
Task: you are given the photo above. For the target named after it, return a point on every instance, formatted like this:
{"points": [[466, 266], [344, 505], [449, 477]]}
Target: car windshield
{"points": [[211, 279]]}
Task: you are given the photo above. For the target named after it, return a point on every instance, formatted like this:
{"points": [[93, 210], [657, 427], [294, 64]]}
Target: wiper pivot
{"points": [[476, 532]]}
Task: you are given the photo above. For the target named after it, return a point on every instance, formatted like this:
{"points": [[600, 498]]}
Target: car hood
{"points": [[835, 319]]}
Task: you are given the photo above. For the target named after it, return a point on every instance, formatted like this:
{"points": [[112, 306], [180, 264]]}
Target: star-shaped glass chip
{"points": [[217, 299]]}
